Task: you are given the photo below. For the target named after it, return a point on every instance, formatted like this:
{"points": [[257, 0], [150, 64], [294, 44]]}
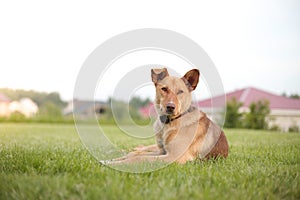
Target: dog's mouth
{"points": [[169, 110], [166, 112], [169, 113]]}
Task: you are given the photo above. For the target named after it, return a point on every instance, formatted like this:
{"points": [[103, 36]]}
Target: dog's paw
{"points": [[104, 162]]}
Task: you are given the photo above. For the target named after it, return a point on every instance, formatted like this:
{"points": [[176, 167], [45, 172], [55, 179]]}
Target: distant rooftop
{"points": [[250, 94], [83, 106]]}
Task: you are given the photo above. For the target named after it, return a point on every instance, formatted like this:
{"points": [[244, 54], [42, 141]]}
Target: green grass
{"points": [[41, 161]]}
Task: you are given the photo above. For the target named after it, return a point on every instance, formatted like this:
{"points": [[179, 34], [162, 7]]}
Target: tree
{"points": [[39, 98], [119, 109], [233, 116], [49, 110], [295, 96], [123, 111], [54, 97], [292, 96], [137, 102], [256, 118]]}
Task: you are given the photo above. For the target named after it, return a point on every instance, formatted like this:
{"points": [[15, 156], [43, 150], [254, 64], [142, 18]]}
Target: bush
{"points": [[233, 116], [256, 118], [17, 117], [275, 127], [294, 128], [50, 111]]}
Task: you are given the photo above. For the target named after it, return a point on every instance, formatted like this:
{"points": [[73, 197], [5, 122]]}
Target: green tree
{"points": [[119, 109], [50, 111], [256, 118], [295, 96], [17, 117], [38, 97], [135, 104], [233, 116], [138, 102]]}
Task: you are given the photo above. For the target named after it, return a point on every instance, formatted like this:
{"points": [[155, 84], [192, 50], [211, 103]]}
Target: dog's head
{"points": [[173, 94]]}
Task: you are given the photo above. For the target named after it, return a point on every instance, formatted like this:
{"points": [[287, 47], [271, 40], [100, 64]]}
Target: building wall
{"points": [[25, 106], [4, 111], [284, 118]]}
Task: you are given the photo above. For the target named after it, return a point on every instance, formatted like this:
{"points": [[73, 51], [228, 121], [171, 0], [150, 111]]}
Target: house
{"points": [[85, 108], [25, 106], [4, 104], [284, 111], [148, 111]]}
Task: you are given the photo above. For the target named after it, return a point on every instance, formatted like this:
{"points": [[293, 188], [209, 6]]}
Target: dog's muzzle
{"points": [[165, 119], [170, 107]]}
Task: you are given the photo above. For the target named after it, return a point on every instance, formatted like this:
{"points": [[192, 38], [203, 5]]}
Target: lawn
{"points": [[43, 161]]}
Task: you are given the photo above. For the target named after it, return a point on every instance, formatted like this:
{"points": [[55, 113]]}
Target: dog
{"points": [[183, 133]]}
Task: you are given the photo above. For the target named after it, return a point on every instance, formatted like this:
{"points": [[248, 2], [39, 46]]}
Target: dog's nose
{"points": [[170, 107]]}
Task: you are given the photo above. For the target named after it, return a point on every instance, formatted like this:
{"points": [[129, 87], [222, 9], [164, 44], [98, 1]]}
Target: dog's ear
{"points": [[158, 74], [191, 79]]}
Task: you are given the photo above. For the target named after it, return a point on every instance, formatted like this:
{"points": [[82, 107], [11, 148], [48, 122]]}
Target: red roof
{"points": [[249, 95], [4, 98], [148, 110]]}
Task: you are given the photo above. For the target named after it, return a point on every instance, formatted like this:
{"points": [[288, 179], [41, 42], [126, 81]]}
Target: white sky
{"points": [[252, 43]]}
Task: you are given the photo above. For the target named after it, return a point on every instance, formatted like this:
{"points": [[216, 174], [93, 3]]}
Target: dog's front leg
{"points": [[155, 152], [142, 158], [150, 148]]}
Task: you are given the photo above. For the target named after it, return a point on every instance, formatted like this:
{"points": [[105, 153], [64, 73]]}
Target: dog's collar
{"points": [[165, 119]]}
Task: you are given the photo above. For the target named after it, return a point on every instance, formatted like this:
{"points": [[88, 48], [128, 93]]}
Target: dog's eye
{"points": [[180, 92], [164, 89]]}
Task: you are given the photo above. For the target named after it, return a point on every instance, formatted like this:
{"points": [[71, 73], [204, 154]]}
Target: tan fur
{"points": [[187, 136]]}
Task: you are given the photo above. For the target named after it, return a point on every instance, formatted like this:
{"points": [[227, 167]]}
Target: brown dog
{"points": [[183, 133]]}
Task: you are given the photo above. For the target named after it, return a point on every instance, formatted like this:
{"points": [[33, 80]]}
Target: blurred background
{"points": [[255, 46]]}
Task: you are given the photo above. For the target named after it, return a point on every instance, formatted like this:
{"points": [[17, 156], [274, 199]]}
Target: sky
{"points": [[43, 44]]}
